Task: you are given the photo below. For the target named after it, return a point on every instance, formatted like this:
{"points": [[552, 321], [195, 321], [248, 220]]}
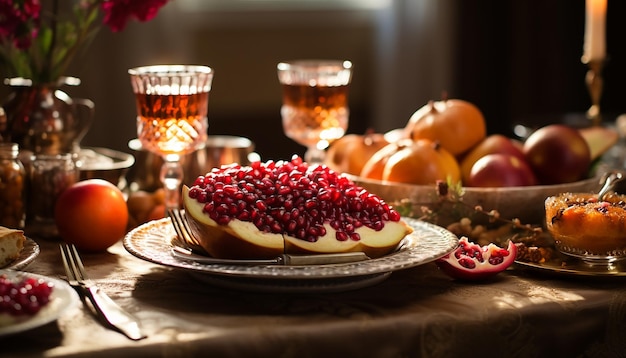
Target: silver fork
{"points": [[105, 308], [181, 227]]}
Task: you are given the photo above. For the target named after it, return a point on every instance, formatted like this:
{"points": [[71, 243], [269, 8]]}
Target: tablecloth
{"points": [[417, 312]]}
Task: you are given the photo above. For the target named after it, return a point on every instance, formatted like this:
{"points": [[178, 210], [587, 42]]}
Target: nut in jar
{"points": [[50, 175], [12, 187]]}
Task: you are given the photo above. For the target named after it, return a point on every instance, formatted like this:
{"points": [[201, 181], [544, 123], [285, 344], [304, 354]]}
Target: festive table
{"points": [[414, 312]]}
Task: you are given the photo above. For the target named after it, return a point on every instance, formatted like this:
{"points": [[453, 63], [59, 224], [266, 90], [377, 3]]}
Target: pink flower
{"points": [[118, 12], [40, 38], [19, 21]]}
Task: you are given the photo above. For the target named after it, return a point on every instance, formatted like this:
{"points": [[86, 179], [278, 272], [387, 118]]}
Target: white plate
{"points": [[62, 299], [27, 255], [428, 242]]}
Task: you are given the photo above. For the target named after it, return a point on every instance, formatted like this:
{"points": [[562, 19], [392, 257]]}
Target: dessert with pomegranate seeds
{"points": [[266, 209], [22, 298], [582, 225], [11, 244]]}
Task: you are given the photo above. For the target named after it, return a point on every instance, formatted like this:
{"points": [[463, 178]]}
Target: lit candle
{"points": [[595, 29]]}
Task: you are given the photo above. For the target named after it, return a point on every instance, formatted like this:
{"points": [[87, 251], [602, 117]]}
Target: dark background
{"points": [[530, 67], [518, 61]]}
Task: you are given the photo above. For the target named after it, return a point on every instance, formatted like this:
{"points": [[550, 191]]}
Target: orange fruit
{"points": [[422, 163], [456, 124], [91, 214], [374, 166], [349, 153]]}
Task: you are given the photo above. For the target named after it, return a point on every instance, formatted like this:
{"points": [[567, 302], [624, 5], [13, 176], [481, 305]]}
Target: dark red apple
{"points": [[501, 170], [558, 154], [493, 144]]}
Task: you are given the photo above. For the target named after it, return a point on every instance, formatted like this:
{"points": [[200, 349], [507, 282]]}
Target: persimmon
{"points": [[424, 162], [373, 168], [349, 153], [456, 124]]}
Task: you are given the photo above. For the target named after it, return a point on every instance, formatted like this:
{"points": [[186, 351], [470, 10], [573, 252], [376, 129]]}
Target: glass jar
{"points": [[12, 187], [50, 175]]}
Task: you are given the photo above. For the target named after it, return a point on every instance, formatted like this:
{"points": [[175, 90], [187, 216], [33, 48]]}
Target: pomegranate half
{"points": [[265, 209], [474, 262]]}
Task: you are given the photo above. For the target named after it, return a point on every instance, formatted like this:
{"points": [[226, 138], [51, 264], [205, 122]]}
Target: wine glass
{"points": [[315, 103], [172, 105]]}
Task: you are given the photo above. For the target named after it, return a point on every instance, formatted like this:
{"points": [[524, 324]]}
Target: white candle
{"points": [[595, 29]]}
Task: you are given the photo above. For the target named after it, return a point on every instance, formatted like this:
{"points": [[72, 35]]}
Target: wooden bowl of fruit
{"points": [[524, 203], [447, 141]]}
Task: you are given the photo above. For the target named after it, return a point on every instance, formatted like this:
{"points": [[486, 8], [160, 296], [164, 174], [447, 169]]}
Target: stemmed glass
{"points": [[315, 103], [172, 105]]}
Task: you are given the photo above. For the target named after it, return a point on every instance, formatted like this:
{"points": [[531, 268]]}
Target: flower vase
{"points": [[43, 119]]}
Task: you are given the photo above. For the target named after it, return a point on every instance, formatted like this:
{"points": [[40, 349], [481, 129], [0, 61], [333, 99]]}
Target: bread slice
{"points": [[11, 244]]}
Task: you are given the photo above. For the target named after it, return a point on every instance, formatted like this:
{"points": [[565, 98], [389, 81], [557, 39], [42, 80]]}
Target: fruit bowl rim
{"points": [[597, 178]]}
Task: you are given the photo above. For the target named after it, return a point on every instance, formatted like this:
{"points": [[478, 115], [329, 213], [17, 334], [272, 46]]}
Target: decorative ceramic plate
{"points": [[62, 299], [326, 285], [153, 242], [27, 255]]}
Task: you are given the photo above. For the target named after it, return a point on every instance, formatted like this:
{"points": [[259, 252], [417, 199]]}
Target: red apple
{"points": [[558, 154], [501, 170], [91, 214], [493, 144]]}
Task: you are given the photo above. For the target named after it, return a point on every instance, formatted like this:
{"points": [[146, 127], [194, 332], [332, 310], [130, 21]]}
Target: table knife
{"points": [[115, 316], [284, 259]]}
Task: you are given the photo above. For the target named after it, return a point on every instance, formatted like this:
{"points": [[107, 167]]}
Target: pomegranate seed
{"points": [[467, 262], [310, 204], [301, 220], [291, 197], [223, 219], [261, 205], [24, 297], [341, 236], [276, 227], [378, 225]]}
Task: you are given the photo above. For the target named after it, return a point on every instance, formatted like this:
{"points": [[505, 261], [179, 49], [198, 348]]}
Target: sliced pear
{"points": [[600, 139]]}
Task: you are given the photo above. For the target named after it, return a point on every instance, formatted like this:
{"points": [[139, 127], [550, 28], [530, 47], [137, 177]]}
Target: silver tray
{"points": [[570, 266]]}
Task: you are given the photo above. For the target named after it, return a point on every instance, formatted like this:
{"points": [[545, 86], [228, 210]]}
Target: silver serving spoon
{"points": [[609, 184]]}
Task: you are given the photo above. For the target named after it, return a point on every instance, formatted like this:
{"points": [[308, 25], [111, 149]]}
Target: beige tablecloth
{"points": [[415, 312]]}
